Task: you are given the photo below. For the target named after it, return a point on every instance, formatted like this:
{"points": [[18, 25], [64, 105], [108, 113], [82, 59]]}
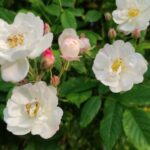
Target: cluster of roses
{"points": [[34, 107]]}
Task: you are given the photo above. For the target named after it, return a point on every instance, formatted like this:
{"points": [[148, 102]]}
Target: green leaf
{"points": [[5, 86], [139, 95], [67, 3], [89, 111], [76, 11], [79, 98], [111, 125], [76, 85], [68, 20], [37, 3], [1, 111], [79, 66], [53, 9], [1, 2], [93, 16], [136, 125], [143, 46], [7, 15]]}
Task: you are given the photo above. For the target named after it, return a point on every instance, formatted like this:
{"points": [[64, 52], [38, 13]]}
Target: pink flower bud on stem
{"points": [[55, 80], [136, 34], [48, 59], [47, 28], [108, 16], [112, 33]]}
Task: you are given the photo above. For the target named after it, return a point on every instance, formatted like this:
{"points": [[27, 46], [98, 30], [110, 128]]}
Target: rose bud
{"points": [[84, 44], [108, 16], [136, 34], [48, 59], [47, 28], [69, 45], [55, 80], [112, 33]]}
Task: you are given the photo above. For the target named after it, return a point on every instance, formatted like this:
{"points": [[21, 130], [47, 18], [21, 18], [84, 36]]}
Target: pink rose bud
{"points": [[69, 45], [55, 80], [47, 28], [108, 16], [112, 33], [136, 33], [85, 44], [48, 59]]}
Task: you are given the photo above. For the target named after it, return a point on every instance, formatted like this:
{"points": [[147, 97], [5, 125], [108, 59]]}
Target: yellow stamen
{"points": [[15, 40], [133, 12], [32, 109], [117, 64]]}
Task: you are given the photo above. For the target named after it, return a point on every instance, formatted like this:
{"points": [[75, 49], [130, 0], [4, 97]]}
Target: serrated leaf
{"points": [[136, 124], [93, 16], [7, 15], [76, 85], [139, 95], [53, 9], [5, 86], [79, 66], [77, 11], [89, 110], [68, 20], [111, 125], [79, 98]]}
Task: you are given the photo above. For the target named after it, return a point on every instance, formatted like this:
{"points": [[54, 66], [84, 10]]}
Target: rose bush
{"points": [[74, 75]]}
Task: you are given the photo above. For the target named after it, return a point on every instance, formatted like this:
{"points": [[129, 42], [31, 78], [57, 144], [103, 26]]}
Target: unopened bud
{"points": [[112, 33], [48, 59], [47, 28], [108, 16], [136, 33], [55, 80], [85, 44]]}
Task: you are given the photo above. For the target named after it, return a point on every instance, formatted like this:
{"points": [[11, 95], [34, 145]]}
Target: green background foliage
{"points": [[94, 118]]}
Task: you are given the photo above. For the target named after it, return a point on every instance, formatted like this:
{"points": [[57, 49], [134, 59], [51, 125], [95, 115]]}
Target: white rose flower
{"points": [[119, 66], [21, 40], [132, 14], [33, 108], [69, 44]]}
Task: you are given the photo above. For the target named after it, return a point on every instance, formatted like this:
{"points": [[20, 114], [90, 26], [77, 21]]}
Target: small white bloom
{"points": [[69, 44], [21, 40], [33, 108], [119, 66], [132, 14]]}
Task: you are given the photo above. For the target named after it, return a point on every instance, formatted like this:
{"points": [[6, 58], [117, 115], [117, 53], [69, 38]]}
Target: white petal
{"points": [[136, 63], [14, 109], [30, 20], [101, 62], [48, 129], [41, 45], [17, 130], [115, 89], [120, 16], [126, 81], [121, 4], [67, 33], [15, 71], [23, 94]]}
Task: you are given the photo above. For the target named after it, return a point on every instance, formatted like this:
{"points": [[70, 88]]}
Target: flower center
{"points": [[15, 40], [133, 12], [117, 64], [32, 109]]}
